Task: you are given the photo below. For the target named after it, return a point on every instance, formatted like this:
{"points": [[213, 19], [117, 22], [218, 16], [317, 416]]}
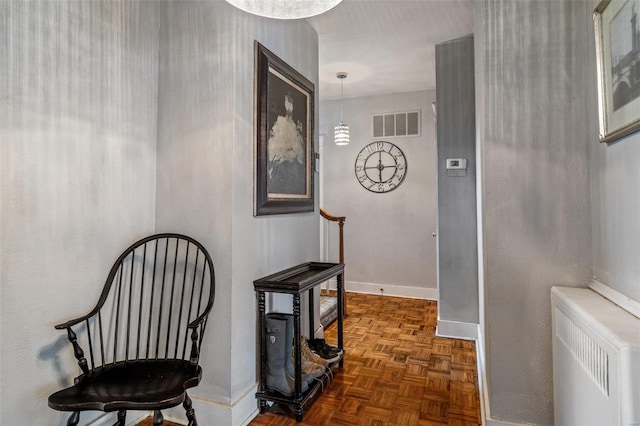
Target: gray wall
{"points": [[457, 233], [87, 167], [388, 241], [535, 129], [205, 175], [78, 92], [615, 201]]}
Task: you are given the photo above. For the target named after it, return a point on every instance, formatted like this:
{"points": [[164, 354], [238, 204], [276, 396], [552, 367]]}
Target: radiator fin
{"points": [[589, 354]]}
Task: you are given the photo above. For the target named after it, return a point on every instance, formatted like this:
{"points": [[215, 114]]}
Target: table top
{"points": [[299, 278]]}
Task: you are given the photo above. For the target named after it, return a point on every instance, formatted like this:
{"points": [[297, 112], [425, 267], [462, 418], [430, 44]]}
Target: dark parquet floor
{"points": [[396, 372]]}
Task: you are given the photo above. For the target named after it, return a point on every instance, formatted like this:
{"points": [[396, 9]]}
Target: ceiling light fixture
{"points": [[341, 135], [285, 9]]}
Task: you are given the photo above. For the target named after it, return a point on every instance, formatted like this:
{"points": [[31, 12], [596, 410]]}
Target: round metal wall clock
{"points": [[381, 167]]}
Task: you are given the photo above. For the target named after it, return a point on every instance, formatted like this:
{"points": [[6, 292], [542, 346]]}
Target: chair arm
{"points": [[194, 357], [197, 322], [73, 338], [72, 322], [202, 319]]}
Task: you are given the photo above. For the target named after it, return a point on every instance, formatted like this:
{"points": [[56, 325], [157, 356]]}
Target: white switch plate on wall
{"points": [[456, 163], [456, 166]]}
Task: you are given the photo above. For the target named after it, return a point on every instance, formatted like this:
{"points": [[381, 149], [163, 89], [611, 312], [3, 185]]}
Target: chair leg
{"points": [[122, 415], [157, 418], [74, 418], [191, 413]]}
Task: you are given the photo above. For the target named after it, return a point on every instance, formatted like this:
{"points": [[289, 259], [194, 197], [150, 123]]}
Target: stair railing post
{"points": [[340, 220]]}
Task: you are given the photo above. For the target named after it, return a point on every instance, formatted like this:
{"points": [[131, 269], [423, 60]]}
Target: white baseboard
{"points": [[457, 330], [388, 290], [108, 419], [103, 419], [208, 412], [616, 297], [494, 422], [246, 409]]}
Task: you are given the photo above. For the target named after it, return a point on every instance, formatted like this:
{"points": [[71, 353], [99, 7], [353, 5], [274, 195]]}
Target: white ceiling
{"points": [[386, 46]]}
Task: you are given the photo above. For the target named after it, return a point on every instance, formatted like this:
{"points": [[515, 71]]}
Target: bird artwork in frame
{"points": [[284, 137]]}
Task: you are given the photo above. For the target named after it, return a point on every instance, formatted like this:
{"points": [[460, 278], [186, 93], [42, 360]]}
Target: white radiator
{"points": [[596, 360]]}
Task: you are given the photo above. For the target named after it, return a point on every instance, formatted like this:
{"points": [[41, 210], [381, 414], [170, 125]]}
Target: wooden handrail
{"points": [[340, 220], [330, 217]]}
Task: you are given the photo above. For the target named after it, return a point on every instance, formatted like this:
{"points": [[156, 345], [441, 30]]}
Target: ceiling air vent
{"points": [[396, 124]]}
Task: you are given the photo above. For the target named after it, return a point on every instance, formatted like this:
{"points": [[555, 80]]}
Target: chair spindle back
{"points": [[154, 305]]}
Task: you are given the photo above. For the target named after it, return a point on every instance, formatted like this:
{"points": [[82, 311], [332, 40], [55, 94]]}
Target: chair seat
{"points": [[131, 385]]}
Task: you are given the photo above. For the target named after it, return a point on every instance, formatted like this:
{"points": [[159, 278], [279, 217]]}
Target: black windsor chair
{"points": [[145, 333]]}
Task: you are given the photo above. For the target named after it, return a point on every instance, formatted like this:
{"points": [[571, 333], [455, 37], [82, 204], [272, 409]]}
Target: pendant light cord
{"points": [[341, 76], [341, 97]]}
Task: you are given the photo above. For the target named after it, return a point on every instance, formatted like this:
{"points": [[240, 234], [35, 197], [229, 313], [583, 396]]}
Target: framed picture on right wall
{"points": [[617, 30]]}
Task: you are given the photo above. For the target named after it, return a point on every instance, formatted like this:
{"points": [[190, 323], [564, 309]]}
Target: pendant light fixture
{"points": [[341, 135], [285, 9]]}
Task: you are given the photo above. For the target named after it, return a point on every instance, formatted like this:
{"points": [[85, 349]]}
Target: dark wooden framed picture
{"points": [[284, 102], [617, 30]]}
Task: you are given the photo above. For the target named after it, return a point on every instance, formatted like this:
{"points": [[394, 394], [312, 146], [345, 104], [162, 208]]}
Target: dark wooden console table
{"points": [[296, 281]]}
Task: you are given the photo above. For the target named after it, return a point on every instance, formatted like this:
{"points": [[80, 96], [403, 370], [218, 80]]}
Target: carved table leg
{"points": [[340, 295], [296, 346], [262, 386]]}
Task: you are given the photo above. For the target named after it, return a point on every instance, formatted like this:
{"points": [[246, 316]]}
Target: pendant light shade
{"points": [[285, 9], [341, 135]]}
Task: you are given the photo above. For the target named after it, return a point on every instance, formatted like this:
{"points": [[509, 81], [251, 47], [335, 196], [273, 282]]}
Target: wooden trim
{"points": [[331, 217]]}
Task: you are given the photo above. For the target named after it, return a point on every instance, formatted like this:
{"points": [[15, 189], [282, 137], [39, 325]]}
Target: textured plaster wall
{"points": [[387, 236], [534, 94], [78, 94], [82, 149], [205, 171]]}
